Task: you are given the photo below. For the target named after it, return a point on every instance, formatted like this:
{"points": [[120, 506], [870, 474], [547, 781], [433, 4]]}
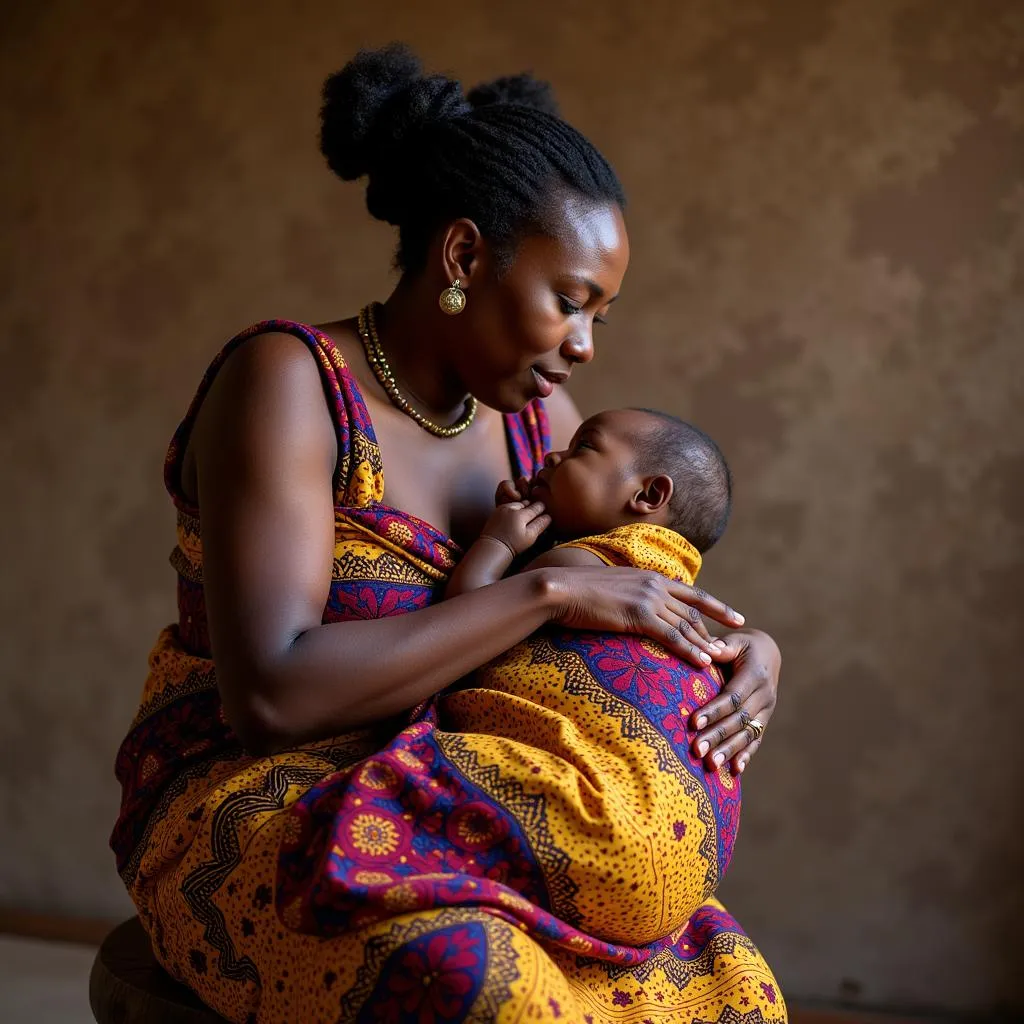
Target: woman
{"points": [[300, 844]]}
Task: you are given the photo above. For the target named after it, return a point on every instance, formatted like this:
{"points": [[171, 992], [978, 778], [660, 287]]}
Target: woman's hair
{"points": [[498, 155]]}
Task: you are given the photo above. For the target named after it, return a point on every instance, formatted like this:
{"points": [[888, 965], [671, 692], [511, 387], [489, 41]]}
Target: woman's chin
{"points": [[512, 399]]}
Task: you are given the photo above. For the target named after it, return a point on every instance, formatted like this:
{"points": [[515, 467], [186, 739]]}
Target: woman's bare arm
{"points": [[265, 452], [564, 558]]}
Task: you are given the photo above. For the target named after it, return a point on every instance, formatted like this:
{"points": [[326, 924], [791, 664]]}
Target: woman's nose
{"points": [[580, 347], [552, 459]]}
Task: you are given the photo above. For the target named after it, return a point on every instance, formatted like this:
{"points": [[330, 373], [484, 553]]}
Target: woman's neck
{"points": [[418, 353]]}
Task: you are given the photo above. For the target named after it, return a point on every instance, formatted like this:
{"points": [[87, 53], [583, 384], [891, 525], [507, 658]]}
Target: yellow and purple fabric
{"points": [[534, 844]]}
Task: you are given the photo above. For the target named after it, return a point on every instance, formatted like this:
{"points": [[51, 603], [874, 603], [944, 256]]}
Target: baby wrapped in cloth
{"points": [[630, 859]]}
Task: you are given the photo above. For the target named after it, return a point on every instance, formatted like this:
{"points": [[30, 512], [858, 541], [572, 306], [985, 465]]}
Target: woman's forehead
{"points": [[597, 230], [586, 243]]}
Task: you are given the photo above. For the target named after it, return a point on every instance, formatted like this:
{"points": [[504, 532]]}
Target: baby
{"points": [[635, 487]]}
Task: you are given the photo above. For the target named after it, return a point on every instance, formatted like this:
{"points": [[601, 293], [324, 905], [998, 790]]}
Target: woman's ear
{"points": [[653, 496], [461, 251]]}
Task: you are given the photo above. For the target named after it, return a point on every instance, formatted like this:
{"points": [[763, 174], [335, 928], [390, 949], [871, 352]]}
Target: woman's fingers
{"points": [[682, 641], [729, 737], [661, 625], [706, 604], [731, 646], [697, 621], [738, 765], [752, 692], [694, 631], [681, 629], [734, 697], [730, 700], [745, 680]]}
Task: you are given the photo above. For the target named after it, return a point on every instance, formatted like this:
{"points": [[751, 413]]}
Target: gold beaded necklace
{"points": [[382, 371]]}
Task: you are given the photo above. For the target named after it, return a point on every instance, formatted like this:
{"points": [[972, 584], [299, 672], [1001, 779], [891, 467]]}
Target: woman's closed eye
{"points": [[569, 308]]}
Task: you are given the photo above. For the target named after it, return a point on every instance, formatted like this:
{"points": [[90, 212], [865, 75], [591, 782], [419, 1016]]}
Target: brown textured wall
{"points": [[828, 231]]}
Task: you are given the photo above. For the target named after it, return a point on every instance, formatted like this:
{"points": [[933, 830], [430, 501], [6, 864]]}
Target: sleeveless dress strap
{"points": [[359, 478], [529, 437]]}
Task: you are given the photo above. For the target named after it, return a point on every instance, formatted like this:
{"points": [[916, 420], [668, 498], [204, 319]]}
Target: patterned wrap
{"points": [[537, 844]]}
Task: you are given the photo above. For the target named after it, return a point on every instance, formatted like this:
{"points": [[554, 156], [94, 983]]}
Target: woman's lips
{"points": [[544, 386], [546, 381]]}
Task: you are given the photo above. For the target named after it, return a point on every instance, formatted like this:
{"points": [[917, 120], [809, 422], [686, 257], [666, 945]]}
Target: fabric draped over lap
{"points": [[537, 843]]}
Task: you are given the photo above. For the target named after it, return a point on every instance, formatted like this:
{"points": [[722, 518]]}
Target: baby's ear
{"points": [[654, 494]]}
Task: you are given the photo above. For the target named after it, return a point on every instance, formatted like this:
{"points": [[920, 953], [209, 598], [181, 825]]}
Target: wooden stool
{"points": [[128, 986]]}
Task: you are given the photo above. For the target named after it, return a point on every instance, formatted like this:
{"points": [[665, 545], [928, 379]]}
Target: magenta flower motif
{"points": [[626, 665], [679, 830], [555, 1008], [437, 978], [366, 604], [769, 991], [620, 998], [677, 724]]}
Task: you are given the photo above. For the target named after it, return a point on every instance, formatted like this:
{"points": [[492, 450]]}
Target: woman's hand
{"points": [[750, 694], [624, 600]]}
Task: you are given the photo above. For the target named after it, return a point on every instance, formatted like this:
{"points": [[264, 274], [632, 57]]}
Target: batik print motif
{"points": [[537, 846]]}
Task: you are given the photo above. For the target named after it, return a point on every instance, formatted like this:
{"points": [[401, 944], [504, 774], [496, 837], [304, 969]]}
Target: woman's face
{"points": [[525, 330]]}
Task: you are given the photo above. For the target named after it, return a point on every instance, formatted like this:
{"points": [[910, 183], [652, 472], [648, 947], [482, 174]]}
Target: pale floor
{"points": [[44, 982]]}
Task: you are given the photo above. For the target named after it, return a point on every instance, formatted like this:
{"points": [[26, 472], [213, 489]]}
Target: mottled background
{"points": [[827, 217]]}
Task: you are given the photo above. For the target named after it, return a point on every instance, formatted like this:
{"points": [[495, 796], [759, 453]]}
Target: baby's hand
{"points": [[517, 525], [512, 490]]}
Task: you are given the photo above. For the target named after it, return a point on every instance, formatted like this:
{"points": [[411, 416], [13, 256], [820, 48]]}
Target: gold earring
{"points": [[453, 299]]}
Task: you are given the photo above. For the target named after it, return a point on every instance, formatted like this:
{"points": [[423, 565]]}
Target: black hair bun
{"points": [[375, 104], [523, 89]]}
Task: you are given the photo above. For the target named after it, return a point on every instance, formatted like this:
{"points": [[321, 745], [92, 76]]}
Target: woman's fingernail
{"points": [[705, 657], [739, 618], [702, 748], [718, 758], [743, 765], [702, 721], [720, 643]]}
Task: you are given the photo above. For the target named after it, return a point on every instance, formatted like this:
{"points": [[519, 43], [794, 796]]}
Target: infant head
{"points": [[637, 465]]}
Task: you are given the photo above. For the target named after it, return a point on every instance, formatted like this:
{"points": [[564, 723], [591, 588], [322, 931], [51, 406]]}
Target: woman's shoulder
{"points": [[279, 356], [266, 384], [263, 369]]}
